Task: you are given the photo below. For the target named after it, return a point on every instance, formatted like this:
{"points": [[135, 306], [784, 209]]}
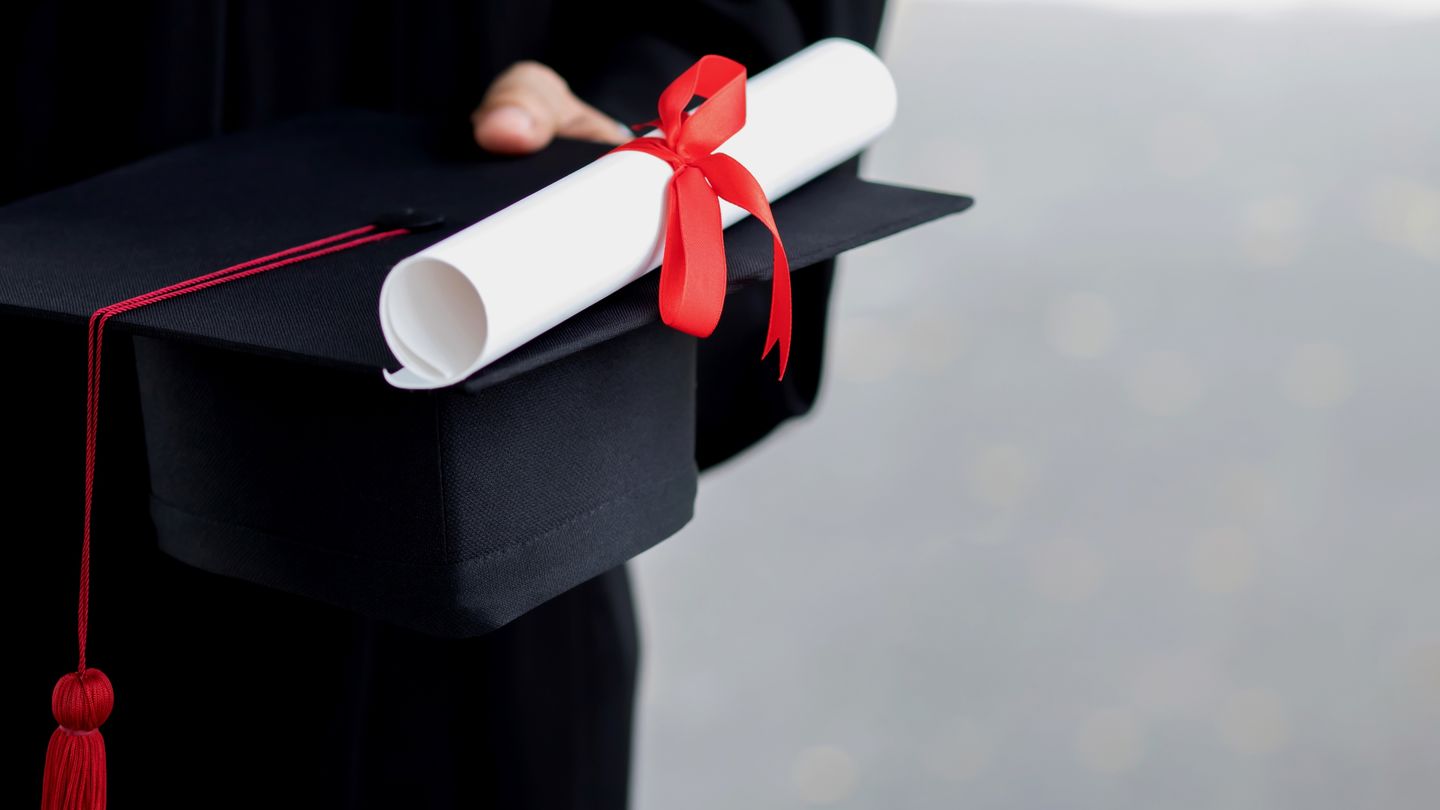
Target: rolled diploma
{"points": [[467, 300]]}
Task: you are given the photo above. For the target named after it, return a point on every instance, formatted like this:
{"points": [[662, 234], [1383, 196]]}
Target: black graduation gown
{"points": [[320, 706]]}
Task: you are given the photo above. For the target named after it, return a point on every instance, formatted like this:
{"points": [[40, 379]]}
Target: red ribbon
{"points": [[692, 273]]}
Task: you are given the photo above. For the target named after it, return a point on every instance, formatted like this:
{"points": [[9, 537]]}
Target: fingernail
{"points": [[514, 119]]}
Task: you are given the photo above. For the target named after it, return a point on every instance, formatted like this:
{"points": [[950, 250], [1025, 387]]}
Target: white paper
{"points": [[470, 299]]}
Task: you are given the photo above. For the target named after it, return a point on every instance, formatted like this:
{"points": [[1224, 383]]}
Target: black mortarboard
{"points": [[276, 452]]}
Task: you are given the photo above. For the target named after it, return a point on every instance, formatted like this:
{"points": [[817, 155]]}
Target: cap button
{"points": [[410, 219]]}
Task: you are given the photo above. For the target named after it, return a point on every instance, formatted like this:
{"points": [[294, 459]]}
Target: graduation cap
{"points": [[277, 453]]}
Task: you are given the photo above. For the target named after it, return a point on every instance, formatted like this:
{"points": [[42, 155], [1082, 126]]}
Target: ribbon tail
{"points": [[733, 182], [778, 332], [692, 273], [643, 127]]}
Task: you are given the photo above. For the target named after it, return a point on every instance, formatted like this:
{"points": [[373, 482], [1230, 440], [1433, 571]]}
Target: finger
{"points": [[518, 114], [528, 105], [513, 128], [589, 124]]}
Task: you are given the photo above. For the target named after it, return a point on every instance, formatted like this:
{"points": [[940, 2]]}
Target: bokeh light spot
{"points": [[1273, 232], [824, 774], [1184, 145], [1406, 213], [1252, 722], [1067, 571], [1082, 325], [1110, 741], [1319, 375], [1222, 561], [961, 755], [999, 476]]}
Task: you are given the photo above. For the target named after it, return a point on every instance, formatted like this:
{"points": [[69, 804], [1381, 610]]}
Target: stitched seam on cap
{"points": [[511, 548]]}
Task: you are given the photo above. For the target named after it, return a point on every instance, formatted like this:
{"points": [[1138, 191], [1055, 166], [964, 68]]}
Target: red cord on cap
{"points": [[82, 700]]}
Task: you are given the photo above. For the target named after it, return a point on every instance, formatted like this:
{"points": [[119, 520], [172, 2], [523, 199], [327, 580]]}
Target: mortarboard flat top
{"points": [[203, 207]]}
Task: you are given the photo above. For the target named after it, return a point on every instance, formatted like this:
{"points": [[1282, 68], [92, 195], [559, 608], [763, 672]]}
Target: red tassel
{"points": [[75, 761]]}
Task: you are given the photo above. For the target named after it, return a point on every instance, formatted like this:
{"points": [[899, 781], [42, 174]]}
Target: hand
{"points": [[528, 105]]}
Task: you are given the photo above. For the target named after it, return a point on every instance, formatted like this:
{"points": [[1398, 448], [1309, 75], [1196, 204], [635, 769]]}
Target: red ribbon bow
{"points": [[692, 272]]}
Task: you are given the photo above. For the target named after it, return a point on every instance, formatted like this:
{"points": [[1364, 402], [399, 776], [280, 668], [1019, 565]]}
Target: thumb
{"points": [[528, 105]]}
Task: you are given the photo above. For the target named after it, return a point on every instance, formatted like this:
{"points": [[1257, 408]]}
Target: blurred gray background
{"points": [[1123, 488]]}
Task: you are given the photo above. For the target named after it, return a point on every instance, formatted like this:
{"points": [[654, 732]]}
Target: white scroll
{"points": [[462, 303]]}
